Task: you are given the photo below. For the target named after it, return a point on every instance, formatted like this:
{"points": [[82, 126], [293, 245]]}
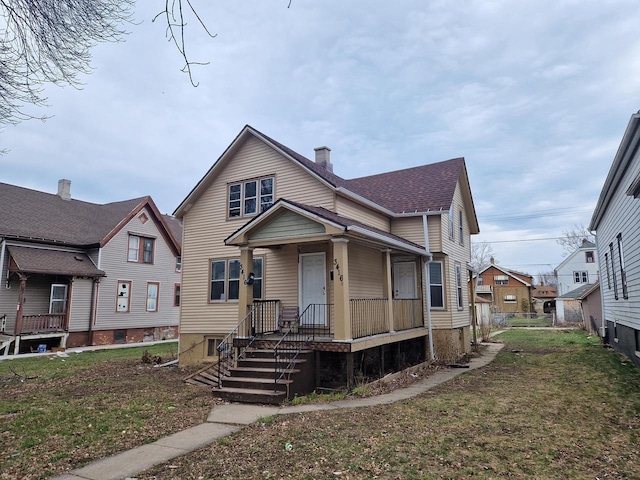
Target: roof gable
{"points": [[520, 277]]}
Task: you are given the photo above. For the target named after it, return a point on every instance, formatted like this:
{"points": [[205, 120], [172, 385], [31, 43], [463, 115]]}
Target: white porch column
{"points": [[245, 295], [388, 287], [341, 289]]}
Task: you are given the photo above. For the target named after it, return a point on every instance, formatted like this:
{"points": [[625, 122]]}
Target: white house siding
{"points": [[576, 262], [348, 208], [621, 217], [114, 263], [206, 227], [80, 308]]}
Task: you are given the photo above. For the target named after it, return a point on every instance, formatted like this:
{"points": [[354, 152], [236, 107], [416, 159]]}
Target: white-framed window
{"points": [[606, 266], [178, 263], [436, 284], [226, 276], [501, 279], [153, 291], [510, 299], [459, 287], [451, 229], [140, 249], [250, 197], [613, 272], [581, 277], [58, 298], [123, 296], [623, 271], [460, 227]]}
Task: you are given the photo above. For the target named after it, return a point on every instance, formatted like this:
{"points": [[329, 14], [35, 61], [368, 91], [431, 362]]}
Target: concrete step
{"points": [[247, 395]]}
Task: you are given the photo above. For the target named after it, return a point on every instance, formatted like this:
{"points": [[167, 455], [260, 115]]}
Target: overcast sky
{"points": [[536, 98]]}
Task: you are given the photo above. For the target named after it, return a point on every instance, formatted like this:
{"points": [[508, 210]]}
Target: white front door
{"points": [[404, 280], [313, 289]]}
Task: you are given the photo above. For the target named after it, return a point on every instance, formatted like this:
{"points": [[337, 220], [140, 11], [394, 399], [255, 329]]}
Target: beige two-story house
{"points": [[369, 273]]}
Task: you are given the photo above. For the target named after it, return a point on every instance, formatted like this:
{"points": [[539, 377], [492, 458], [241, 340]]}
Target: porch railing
{"points": [[407, 313], [54, 322], [259, 318], [317, 317], [368, 316]]}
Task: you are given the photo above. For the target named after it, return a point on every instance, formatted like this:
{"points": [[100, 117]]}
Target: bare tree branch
{"points": [[572, 239]]}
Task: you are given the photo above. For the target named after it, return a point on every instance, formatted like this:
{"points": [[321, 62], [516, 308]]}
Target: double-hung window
{"points": [[228, 275], [623, 272], [123, 296], [451, 228], [501, 279], [613, 272], [459, 286], [581, 277], [250, 197], [140, 249], [153, 289], [510, 299], [460, 227], [436, 286]]}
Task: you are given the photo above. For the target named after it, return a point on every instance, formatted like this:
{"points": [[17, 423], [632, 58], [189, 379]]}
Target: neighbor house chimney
{"points": [[323, 158], [64, 189]]}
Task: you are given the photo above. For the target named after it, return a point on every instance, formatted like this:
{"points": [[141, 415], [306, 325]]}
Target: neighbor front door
{"points": [[313, 289], [404, 280]]}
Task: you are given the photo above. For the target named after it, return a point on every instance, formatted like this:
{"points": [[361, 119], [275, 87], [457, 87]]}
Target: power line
{"points": [[529, 239]]}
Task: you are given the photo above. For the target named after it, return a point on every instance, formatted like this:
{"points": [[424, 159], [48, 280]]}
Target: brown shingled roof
{"points": [[45, 261], [31, 214]]}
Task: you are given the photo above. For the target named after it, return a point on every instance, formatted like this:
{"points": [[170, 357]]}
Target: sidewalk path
{"points": [[226, 419]]}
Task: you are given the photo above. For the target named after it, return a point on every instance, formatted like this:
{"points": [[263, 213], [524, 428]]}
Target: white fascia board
{"points": [[390, 241]]}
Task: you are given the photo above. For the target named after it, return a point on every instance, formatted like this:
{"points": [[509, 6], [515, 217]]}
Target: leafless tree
{"points": [[481, 255], [572, 239], [49, 41], [548, 278]]}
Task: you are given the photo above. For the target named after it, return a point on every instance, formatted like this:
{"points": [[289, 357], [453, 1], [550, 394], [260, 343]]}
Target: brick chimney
{"points": [[323, 158], [64, 189]]}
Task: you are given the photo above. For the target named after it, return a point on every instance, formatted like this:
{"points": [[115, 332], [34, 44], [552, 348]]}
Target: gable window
{"points": [[589, 256], [459, 287], [140, 249], [581, 277], [250, 197], [613, 272], [451, 229], [501, 279], [460, 228], [153, 289], [176, 295], [178, 263], [123, 295], [606, 266], [436, 286], [623, 272], [510, 299], [226, 278]]}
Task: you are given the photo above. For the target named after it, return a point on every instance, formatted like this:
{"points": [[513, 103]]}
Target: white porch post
{"points": [[245, 295], [341, 289], [388, 287]]}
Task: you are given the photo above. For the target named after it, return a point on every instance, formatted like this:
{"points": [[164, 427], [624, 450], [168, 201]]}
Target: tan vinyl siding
{"points": [[206, 226], [443, 318], [437, 229], [366, 279], [115, 265], [350, 209], [281, 276], [80, 311], [288, 224], [411, 228]]}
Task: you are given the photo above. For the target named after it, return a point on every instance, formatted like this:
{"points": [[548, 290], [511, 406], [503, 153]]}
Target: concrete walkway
{"points": [[226, 419]]}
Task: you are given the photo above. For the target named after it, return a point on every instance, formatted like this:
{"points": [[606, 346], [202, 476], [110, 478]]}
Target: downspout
{"points": [[602, 331], [427, 289], [93, 307], [2, 249]]}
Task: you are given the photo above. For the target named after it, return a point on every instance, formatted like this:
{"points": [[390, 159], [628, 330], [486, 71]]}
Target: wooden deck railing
{"points": [[54, 322], [407, 313], [368, 317]]}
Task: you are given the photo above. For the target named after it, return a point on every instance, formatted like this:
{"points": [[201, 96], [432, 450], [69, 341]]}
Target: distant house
{"points": [[569, 307], [508, 291], [363, 270], [578, 269], [76, 273], [616, 222], [543, 298]]}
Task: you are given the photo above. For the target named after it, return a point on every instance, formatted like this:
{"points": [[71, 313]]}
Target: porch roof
{"points": [[341, 224], [52, 262]]}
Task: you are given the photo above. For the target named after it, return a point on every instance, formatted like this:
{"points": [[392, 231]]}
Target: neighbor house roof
{"points": [[31, 215], [520, 277], [417, 190], [578, 293], [47, 261]]}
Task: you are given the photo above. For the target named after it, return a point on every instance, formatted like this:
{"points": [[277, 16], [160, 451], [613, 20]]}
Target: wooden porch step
{"points": [[207, 377], [256, 383], [247, 395], [267, 362], [260, 372]]}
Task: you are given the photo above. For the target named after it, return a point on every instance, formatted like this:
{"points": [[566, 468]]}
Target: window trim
{"points": [[461, 226], [179, 263], [64, 301], [441, 285], [606, 264], [140, 249], [459, 298], [580, 276], [156, 298], [226, 281], [589, 256], [623, 271], [510, 300], [451, 226], [239, 203], [177, 295], [613, 271], [128, 297]]}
